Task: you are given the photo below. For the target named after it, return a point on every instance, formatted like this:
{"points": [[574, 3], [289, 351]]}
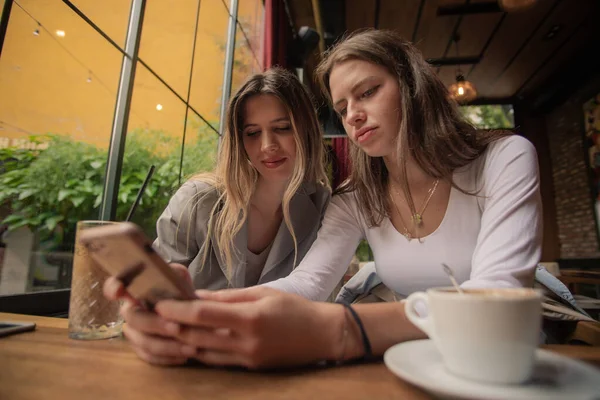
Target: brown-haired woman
{"points": [[426, 188]]}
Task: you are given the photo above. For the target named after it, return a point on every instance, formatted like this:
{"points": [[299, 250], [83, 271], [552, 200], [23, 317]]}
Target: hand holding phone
{"points": [[115, 290], [124, 252]]}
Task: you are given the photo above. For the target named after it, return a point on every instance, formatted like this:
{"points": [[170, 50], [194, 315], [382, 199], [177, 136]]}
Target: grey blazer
{"points": [[183, 226]]}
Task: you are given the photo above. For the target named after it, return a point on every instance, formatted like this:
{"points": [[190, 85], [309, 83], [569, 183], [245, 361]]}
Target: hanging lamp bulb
{"points": [[37, 30], [462, 90]]}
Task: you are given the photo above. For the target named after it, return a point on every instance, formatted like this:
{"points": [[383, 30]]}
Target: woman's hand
{"points": [[152, 337], [257, 327], [114, 289]]}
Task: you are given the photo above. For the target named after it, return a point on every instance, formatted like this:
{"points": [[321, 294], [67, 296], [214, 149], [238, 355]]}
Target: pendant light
{"points": [[462, 90]]}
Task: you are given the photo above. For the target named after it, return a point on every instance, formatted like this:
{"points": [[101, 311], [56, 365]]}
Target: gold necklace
{"points": [[417, 217], [406, 233]]}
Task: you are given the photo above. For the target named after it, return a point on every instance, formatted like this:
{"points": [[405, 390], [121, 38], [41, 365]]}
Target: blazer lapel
{"points": [[304, 217], [239, 245]]}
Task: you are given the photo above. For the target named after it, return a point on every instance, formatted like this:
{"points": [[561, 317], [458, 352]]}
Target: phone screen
{"points": [[5, 326]]}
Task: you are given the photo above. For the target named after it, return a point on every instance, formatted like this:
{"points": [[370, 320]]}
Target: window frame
{"points": [[56, 302]]}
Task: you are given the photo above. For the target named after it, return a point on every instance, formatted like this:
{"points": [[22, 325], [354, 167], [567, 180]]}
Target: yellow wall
{"points": [[68, 85]]}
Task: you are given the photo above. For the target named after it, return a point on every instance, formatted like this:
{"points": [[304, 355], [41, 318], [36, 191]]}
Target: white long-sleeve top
{"points": [[491, 239]]}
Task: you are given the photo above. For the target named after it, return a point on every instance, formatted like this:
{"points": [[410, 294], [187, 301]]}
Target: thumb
{"points": [[113, 289], [183, 273]]}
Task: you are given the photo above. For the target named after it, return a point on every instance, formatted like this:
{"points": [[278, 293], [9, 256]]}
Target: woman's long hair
{"points": [[432, 130], [235, 178]]}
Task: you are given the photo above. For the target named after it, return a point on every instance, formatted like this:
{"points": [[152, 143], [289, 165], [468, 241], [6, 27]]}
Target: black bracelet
{"points": [[363, 333]]}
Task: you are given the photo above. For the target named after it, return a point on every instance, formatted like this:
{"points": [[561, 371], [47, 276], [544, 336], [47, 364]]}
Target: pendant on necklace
{"points": [[417, 219]]}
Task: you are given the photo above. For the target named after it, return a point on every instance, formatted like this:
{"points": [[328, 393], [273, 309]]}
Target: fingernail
{"points": [[189, 351], [200, 293], [172, 328]]}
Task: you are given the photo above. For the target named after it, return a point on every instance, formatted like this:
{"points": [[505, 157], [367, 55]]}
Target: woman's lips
{"points": [[274, 163], [366, 135]]}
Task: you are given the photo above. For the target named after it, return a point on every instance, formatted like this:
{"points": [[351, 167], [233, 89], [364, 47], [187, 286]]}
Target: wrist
{"points": [[343, 339], [359, 345], [335, 334]]}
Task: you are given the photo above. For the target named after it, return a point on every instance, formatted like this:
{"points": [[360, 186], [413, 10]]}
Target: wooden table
{"points": [[47, 364]]}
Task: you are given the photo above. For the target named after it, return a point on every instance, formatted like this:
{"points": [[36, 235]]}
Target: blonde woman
{"points": [[252, 220], [426, 188]]}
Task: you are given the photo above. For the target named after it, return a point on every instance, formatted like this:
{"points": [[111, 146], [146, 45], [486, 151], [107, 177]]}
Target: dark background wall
{"points": [[557, 132], [575, 217]]}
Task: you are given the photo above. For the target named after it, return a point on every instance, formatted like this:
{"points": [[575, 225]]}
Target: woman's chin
{"points": [[376, 151], [275, 176]]}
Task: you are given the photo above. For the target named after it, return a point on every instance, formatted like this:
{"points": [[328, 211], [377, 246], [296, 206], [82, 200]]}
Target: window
{"points": [[113, 22], [247, 58], [492, 116], [2, 2], [154, 137], [59, 79], [165, 128], [209, 61]]}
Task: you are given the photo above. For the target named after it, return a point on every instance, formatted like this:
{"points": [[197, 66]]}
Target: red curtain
{"points": [[342, 169], [278, 34], [277, 37]]}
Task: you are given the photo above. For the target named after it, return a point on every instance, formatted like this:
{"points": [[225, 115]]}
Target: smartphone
{"points": [[124, 252], [11, 327]]}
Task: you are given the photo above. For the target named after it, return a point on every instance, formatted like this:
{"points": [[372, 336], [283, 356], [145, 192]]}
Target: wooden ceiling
{"points": [[518, 52]]}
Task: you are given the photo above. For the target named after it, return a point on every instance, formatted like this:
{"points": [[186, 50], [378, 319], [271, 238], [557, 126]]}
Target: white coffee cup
{"points": [[487, 335]]}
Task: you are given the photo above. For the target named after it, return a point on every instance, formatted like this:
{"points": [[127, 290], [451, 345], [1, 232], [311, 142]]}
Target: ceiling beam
{"points": [[464, 9], [444, 61]]}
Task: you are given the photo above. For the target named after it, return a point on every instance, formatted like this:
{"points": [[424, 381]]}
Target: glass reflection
{"points": [[251, 18], [245, 61]]}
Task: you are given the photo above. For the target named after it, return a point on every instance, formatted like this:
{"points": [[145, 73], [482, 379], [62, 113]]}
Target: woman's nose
{"points": [[269, 142], [355, 115]]}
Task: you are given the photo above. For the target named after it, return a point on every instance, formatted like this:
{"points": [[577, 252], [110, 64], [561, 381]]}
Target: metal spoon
{"points": [[450, 274]]}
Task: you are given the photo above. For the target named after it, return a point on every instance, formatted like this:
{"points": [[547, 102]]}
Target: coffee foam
{"points": [[495, 292]]}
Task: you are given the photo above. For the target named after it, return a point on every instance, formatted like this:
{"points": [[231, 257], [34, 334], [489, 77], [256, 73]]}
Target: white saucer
{"points": [[555, 376]]}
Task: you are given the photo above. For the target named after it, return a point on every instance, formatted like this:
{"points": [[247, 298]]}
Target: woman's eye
{"points": [[283, 128], [370, 92], [253, 133], [342, 112]]}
